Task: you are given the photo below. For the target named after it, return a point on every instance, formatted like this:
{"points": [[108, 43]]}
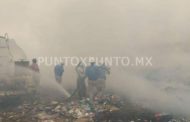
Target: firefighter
{"points": [[92, 74], [58, 71], [81, 87], [35, 72], [103, 71], [35, 80]]}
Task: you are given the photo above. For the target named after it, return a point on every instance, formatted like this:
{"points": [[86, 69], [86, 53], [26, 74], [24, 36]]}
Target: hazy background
{"points": [[111, 28]]}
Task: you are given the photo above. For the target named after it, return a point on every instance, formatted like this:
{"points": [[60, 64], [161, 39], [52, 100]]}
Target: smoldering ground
{"points": [[111, 28]]}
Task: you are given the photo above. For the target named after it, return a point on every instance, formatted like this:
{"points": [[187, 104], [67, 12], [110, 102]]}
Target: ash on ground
{"points": [[109, 108]]}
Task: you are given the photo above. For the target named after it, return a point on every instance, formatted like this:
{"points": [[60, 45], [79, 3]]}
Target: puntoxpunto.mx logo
{"points": [[109, 61]]}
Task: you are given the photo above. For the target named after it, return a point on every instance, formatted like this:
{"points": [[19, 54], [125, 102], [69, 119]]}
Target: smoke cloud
{"points": [[154, 28]]}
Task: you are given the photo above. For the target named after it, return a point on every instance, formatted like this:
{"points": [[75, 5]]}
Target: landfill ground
{"points": [[109, 108]]}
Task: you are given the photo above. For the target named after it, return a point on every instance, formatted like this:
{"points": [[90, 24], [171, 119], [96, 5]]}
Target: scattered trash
{"points": [[109, 108]]}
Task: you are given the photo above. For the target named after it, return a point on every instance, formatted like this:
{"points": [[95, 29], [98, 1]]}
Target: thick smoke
{"points": [[111, 28]]}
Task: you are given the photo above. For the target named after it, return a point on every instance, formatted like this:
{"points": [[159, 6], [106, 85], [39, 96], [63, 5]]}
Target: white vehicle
{"points": [[6, 60], [15, 75]]}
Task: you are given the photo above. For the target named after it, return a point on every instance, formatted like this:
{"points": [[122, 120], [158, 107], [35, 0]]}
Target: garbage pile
{"points": [[70, 111], [109, 108]]}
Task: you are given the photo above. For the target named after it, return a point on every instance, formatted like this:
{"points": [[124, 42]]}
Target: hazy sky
{"points": [[71, 27], [102, 27]]}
